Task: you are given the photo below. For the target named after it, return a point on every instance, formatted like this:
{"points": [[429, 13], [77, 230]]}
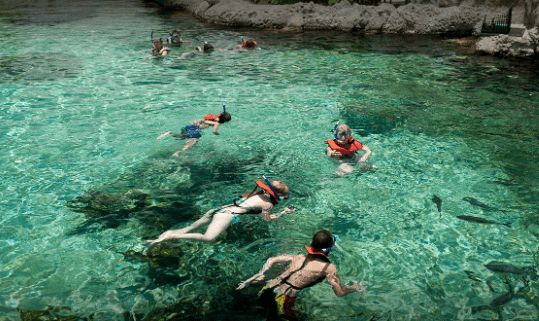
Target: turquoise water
{"points": [[84, 180]]}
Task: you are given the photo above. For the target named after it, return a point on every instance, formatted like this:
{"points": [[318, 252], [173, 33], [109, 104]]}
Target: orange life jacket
{"points": [[244, 45], [354, 146], [311, 251], [212, 117], [267, 189]]}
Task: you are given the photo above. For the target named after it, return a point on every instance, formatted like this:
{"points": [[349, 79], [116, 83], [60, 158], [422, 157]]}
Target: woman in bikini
{"points": [[257, 202]]}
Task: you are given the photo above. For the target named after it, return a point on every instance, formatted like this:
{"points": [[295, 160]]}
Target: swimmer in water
{"points": [[344, 148], [176, 39], [158, 50], [256, 202], [207, 48], [193, 132], [278, 296]]}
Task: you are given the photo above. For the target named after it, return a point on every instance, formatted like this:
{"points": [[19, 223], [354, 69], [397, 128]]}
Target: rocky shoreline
{"points": [[423, 19]]}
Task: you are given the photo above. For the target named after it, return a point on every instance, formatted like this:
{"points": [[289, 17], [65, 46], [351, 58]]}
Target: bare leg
{"points": [[190, 143], [218, 224], [165, 134], [345, 169], [170, 233]]}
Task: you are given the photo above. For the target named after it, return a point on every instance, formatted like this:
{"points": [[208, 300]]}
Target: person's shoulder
{"points": [[331, 268]]}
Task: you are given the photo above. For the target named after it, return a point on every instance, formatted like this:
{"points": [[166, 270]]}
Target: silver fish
{"points": [[507, 268], [484, 206], [480, 220], [504, 298]]}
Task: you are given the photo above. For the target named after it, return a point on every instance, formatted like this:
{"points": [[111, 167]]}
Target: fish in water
{"points": [[507, 268], [480, 220], [489, 284], [438, 202], [504, 183], [486, 207], [504, 298], [408, 103]]}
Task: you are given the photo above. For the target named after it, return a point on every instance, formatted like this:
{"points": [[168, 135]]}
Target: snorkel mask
{"points": [[328, 249], [175, 38], [339, 134], [324, 251]]}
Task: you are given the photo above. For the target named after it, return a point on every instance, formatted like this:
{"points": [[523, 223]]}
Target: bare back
{"points": [[201, 123], [296, 277]]}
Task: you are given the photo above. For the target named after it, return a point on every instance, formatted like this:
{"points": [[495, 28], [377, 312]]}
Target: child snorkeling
{"points": [[344, 147], [193, 131]]}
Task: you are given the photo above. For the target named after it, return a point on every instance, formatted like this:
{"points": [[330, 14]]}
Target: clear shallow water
{"points": [[84, 181]]}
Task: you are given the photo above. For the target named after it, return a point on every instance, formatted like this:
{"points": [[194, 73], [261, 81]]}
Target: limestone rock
{"points": [[505, 45], [429, 19]]}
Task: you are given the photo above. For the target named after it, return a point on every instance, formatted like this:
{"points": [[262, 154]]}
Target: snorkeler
{"points": [[158, 50], [256, 202], [193, 131], [345, 147], [278, 295], [176, 38], [207, 48], [248, 44]]}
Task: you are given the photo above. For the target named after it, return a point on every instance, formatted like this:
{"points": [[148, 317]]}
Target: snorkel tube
{"points": [[151, 37], [277, 197], [335, 130]]}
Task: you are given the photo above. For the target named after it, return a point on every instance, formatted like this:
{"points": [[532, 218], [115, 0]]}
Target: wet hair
{"points": [[207, 47], [158, 41], [176, 31], [322, 240], [250, 44], [280, 187], [224, 118], [343, 128]]}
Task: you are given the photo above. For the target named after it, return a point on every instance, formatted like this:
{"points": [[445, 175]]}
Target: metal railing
{"points": [[498, 24]]}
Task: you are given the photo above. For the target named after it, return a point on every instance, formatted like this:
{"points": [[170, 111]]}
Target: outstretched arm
{"points": [[366, 155], [267, 216], [215, 126], [260, 275], [335, 281]]}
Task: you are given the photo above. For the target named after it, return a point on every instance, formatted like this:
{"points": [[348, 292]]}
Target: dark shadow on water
{"points": [[38, 66], [364, 125]]}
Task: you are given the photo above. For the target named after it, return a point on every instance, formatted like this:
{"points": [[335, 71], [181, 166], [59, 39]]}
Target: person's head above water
{"points": [[206, 48], [249, 44], [224, 117], [281, 188], [343, 133], [322, 241], [175, 36], [158, 43]]}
